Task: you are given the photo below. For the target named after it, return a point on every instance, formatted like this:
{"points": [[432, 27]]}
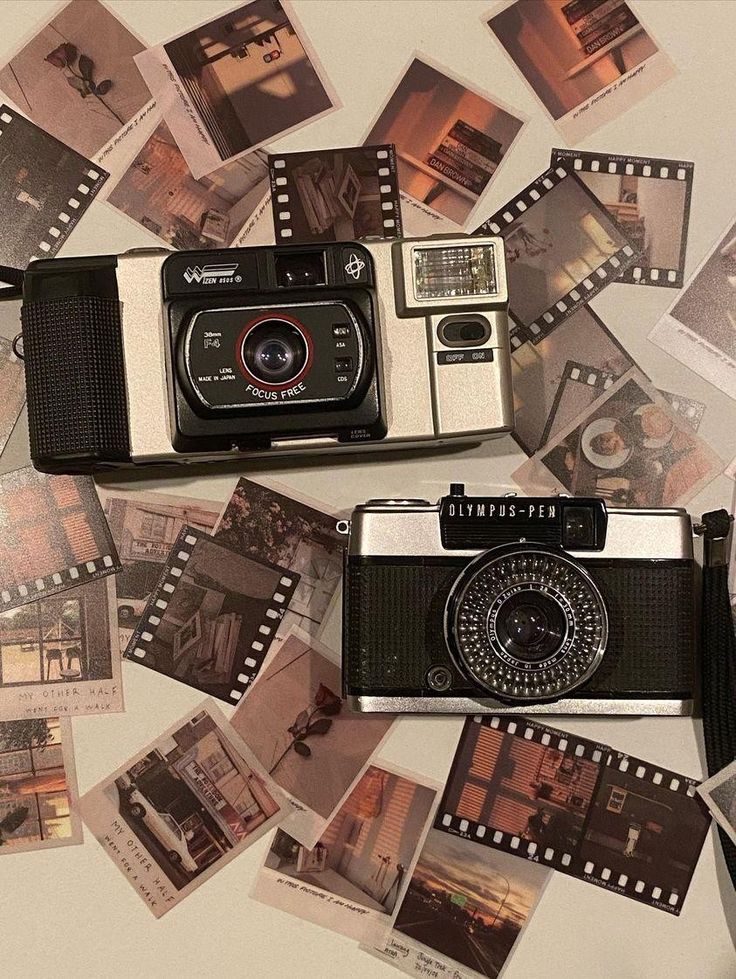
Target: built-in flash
{"points": [[455, 271]]}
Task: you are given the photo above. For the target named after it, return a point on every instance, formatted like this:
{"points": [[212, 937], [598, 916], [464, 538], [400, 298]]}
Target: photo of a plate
{"points": [[598, 427]]}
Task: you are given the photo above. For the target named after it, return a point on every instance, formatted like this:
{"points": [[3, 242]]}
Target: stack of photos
{"points": [[294, 533], [336, 195], [212, 616], [630, 447], [299, 728], [38, 785], [353, 879], [449, 139], [13, 387], [182, 808], [236, 82], [464, 910], [586, 61], [719, 794], [621, 823]]}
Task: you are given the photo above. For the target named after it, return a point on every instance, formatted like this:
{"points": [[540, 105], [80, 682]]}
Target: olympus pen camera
{"points": [[550, 605], [154, 357]]}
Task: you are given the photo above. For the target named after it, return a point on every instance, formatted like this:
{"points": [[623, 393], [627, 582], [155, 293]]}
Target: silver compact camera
{"points": [[154, 357], [546, 605]]}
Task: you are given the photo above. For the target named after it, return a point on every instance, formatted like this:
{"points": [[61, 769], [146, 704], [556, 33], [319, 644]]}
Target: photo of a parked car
{"points": [[164, 827]]}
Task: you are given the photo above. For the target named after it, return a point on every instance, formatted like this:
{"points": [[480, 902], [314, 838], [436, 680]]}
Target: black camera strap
{"points": [[718, 643], [14, 282]]}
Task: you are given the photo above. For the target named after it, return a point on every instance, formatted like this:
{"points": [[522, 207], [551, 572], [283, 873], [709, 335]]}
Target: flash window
{"points": [[455, 271]]}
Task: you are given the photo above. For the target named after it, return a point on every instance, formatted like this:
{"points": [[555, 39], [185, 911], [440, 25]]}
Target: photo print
{"points": [[13, 386], [464, 910], [159, 193], [579, 807], [449, 139], [650, 200], [46, 188], [145, 527], [719, 794], [182, 808], [53, 536], [76, 77], [299, 535], [689, 409], [352, 880], [562, 248], [60, 655], [236, 82], [335, 195], [300, 729], [630, 448], [212, 616], [38, 785], [699, 329], [587, 61]]}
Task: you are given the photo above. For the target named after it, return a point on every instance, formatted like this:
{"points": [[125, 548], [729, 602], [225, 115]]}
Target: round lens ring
{"points": [[274, 351], [530, 626]]}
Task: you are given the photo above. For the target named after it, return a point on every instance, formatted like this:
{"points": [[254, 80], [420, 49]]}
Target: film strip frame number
{"points": [[145, 632], [52, 584], [282, 188], [653, 168], [590, 286]]}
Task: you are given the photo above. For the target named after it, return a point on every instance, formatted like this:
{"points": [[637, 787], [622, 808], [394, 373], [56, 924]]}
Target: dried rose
{"points": [[62, 56]]}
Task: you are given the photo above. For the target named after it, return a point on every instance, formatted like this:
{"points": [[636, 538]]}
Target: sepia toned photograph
{"points": [[183, 808], [60, 655], [53, 536], [45, 187], [449, 139], [301, 731], [630, 448], [38, 785], [572, 54], [336, 195], [719, 794], [159, 192], [353, 878], [212, 617], [13, 386], [235, 83], [281, 528], [76, 77], [467, 904]]}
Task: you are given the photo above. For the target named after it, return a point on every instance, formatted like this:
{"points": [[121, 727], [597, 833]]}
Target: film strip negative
{"points": [[50, 584], [688, 408], [211, 626], [336, 194], [627, 197], [541, 248], [595, 381], [575, 806]]}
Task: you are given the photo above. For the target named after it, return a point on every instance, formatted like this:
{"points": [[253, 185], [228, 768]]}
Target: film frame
{"points": [[570, 861], [688, 408], [150, 620], [284, 191], [647, 167], [608, 271], [578, 373]]}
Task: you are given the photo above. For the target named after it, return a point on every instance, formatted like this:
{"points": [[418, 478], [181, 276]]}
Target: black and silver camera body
{"points": [[152, 357], [541, 605]]}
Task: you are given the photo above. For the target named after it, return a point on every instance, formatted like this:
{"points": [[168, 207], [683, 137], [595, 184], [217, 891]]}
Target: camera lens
{"points": [[274, 351], [530, 625]]}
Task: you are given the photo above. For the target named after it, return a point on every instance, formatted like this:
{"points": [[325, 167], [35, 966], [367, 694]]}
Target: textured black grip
{"points": [[75, 381]]}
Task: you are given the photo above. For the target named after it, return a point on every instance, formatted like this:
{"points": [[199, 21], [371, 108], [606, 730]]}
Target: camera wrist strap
{"points": [[718, 649], [14, 282]]}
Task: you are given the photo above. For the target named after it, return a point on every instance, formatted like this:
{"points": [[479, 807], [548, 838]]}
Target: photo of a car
{"points": [[165, 828]]}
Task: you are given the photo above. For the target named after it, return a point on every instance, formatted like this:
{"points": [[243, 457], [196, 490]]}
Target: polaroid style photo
{"points": [[145, 527], [650, 200], [353, 879], [630, 448], [38, 785], [13, 387], [60, 655], [719, 794], [298, 726], [699, 329], [562, 249], [53, 536], [464, 911], [160, 194], [75, 77], [587, 61], [212, 616], [182, 808], [335, 195], [449, 138], [547, 393], [236, 82], [286, 529], [45, 188]]}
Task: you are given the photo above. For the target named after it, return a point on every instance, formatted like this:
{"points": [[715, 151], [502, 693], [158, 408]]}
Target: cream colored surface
{"points": [[68, 912]]}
